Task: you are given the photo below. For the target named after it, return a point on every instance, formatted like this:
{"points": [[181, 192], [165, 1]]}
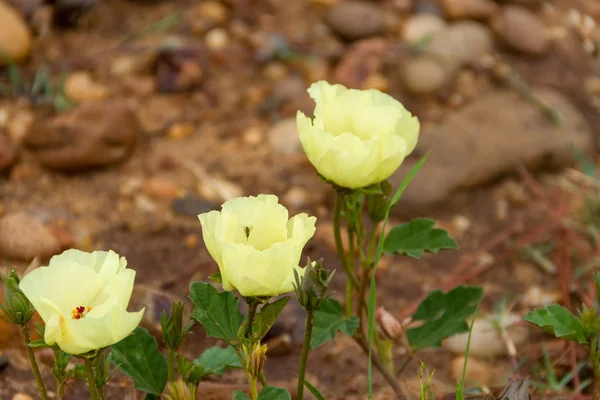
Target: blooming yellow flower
{"points": [[255, 245], [82, 298], [358, 137]]}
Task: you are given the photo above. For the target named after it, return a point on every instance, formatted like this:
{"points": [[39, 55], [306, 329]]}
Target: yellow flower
{"points": [[82, 298], [256, 247], [358, 137]]}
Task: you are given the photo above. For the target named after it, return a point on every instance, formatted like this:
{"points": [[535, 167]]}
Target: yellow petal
{"points": [[95, 332], [65, 284]]}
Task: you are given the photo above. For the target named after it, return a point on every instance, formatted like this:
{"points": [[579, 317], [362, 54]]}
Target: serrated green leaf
{"points": [[558, 321], [315, 392], [216, 360], [218, 312], [329, 318], [239, 395], [264, 320], [444, 315], [416, 237], [137, 356], [274, 393]]}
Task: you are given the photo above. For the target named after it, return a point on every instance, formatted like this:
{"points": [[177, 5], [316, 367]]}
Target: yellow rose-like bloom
{"points": [[255, 245], [82, 298], [358, 137]]}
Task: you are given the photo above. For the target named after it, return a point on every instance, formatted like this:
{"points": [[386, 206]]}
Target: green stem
{"points": [[310, 316], [34, 365], [596, 366], [60, 390], [91, 378], [337, 219], [253, 387], [252, 306], [263, 379], [171, 364]]}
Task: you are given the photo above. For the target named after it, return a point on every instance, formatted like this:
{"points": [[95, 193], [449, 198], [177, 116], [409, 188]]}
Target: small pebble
{"points": [[217, 39], [22, 396], [181, 130], [80, 87], [191, 241]]}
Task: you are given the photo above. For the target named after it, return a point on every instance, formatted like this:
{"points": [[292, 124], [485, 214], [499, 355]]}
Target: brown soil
{"points": [[166, 248]]}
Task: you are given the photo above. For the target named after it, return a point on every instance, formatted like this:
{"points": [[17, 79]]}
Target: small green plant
{"points": [[583, 328], [40, 90]]}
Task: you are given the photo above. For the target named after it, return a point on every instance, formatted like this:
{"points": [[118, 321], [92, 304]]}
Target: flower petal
{"points": [[66, 285]]}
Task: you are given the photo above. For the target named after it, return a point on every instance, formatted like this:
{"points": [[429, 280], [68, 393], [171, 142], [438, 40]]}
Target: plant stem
{"points": [[252, 306], [388, 376], [593, 349], [34, 365], [263, 379], [350, 260], [171, 364], [337, 219], [310, 316], [253, 387], [91, 378]]}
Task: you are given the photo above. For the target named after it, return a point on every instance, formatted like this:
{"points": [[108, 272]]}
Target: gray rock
{"points": [[460, 43], [521, 30], [356, 19], [486, 139], [24, 238], [283, 137], [424, 75]]}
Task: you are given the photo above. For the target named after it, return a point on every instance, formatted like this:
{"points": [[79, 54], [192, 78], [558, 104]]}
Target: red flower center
{"points": [[80, 312]]}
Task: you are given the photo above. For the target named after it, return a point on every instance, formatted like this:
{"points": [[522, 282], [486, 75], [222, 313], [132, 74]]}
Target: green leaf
{"points": [[416, 237], [216, 360], [315, 392], [274, 393], [329, 318], [218, 312], [38, 343], [137, 357], [264, 320], [559, 322], [444, 315], [239, 395]]}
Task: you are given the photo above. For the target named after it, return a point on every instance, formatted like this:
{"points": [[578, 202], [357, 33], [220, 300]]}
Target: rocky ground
{"points": [[120, 121]]}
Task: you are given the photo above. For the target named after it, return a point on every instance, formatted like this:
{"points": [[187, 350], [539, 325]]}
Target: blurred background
{"points": [[120, 121]]}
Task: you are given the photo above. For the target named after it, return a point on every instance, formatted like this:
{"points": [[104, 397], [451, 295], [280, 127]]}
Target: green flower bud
{"points": [[311, 289], [16, 308], [377, 204], [172, 326]]}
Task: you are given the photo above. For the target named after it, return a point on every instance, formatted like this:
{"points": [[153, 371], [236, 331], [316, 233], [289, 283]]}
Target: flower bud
{"points": [[311, 289], [16, 308], [172, 326], [390, 326], [257, 359], [378, 203]]}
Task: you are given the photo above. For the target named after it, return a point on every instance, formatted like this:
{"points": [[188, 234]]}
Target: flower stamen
{"points": [[80, 312]]}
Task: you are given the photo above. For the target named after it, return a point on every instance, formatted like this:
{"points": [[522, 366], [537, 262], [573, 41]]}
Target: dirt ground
{"points": [[213, 137]]}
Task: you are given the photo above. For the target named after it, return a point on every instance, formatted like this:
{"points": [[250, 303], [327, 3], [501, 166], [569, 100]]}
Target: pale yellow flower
{"points": [[255, 245], [357, 137], [82, 298]]}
